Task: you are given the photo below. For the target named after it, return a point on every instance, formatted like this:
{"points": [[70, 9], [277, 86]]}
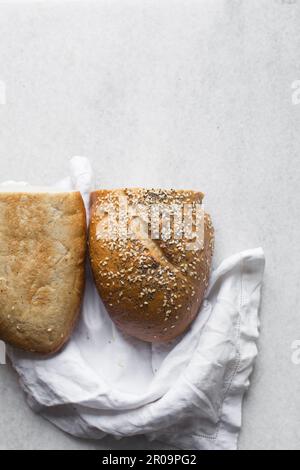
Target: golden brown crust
{"points": [[152, 289], [42, 252]]}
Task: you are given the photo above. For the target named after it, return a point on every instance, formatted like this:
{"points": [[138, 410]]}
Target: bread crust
{"points": [[42, 253], [152, 289]]}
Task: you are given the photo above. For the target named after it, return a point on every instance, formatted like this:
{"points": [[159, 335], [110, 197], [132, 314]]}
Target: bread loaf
{"points": [[42, 252], [152, 288]]}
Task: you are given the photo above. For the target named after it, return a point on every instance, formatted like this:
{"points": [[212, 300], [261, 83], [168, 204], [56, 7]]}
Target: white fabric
{"points": [[187, 393]]}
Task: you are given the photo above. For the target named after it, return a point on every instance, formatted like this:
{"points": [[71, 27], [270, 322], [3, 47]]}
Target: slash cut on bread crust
{"points": [[152, 289], [42, 253]]}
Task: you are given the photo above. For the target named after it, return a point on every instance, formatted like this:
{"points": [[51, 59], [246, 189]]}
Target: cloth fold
{"points": [[187, 393]]}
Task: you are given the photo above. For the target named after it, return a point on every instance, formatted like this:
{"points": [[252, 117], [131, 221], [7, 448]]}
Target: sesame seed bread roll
{"points": [[152, 288], [42, 252]]}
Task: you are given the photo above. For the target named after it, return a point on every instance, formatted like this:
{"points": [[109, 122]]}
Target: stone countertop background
{"points": [[169, 93]]}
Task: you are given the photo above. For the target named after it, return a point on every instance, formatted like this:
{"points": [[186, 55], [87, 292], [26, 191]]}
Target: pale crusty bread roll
{"points": [[152, 289], [42, 252]]}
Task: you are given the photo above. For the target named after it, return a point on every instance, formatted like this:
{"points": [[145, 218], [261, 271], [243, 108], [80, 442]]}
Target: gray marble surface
{"points": [[170, 93]]}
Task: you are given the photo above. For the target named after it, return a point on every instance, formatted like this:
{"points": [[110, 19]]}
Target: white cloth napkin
{"points": [[187, 393]]}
